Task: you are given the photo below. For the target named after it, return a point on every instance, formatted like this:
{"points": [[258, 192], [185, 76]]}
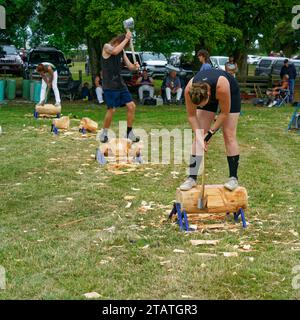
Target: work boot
{"points": [[40, 104], [231, 184], [103, 136], [131, 136], [188, 184], [57, 104]]}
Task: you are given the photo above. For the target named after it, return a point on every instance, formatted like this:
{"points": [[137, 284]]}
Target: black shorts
{"points": [[234, 108]]}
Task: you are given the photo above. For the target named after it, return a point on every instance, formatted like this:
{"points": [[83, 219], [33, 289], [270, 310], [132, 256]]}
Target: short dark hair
{"points": [[203, 53], [285, 61]]}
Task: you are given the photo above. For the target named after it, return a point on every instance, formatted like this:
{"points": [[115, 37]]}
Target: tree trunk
{"points": [[94, 51]]}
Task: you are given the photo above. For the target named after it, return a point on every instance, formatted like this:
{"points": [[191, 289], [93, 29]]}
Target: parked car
{"points": [[218, 62], [251, 59], [155, 63], [277, 65], [10, 61], [54, 56], [265, 65]]}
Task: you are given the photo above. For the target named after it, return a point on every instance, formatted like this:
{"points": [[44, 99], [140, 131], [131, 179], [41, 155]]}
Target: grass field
{"points": [[121, 253]]}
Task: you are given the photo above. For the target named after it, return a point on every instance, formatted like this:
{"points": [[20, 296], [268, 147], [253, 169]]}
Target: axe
{"points": [[129, 24]]}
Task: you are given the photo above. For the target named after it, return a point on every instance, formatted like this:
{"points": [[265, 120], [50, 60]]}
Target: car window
{"points": [[8, 50], [153, 56], [222, 61], [265, 63], [278, 64], [55, 58]]}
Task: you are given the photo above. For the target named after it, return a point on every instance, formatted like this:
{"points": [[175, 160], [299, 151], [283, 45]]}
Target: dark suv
{"points": [[10, 61], [54, 56]]}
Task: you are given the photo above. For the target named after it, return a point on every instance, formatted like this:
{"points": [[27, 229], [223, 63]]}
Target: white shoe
{"points": [[131, 136], [231, 184], [188, 184], [58, 105]]}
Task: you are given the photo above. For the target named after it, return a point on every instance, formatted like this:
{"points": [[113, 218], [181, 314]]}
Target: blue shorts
{"points": [[116, 98]]}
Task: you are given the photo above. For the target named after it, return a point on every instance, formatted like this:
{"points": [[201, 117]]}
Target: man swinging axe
{"points": [[115, 91], [49, 76]]}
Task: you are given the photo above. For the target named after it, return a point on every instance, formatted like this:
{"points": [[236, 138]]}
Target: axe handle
{"points": [[132, 49], [203, 180]]}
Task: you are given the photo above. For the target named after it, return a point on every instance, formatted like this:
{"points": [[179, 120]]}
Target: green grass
{"points": [[39, 171]]}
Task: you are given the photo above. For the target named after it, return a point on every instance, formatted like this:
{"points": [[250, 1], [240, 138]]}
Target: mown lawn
{"points": [[121, 253]]}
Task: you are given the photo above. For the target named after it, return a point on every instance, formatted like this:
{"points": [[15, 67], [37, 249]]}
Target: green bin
{"points": [[26, 89], [11, 89], [37, 91], [2, 84]]}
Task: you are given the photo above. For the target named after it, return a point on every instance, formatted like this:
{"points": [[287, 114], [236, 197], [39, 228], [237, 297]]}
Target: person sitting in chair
{"points": [[146, 84], [275, 92], [173, 86]]}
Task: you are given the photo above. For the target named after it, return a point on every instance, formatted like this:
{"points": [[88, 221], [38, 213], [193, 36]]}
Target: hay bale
{"points": [[62, 123], [88, 124], [48, 109]]}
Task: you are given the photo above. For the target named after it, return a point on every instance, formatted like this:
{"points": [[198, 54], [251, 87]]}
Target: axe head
{"points": [[129, 23]]}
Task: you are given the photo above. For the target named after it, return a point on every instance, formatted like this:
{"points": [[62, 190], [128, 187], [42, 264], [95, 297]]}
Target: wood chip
{"points": [[203, 242], [178, 251], [128, 205], [165, 262], [92, 295], [129, 197], [230, 254], [206, 255]]}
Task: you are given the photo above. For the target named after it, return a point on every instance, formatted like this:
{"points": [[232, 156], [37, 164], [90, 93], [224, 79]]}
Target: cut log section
{"points": [[120, 149], [48, 109], [219, 199], [88, 124], [62, 123]]}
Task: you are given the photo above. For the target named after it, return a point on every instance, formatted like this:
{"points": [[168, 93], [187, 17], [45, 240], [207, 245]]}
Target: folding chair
{"points": [[283, 97]]}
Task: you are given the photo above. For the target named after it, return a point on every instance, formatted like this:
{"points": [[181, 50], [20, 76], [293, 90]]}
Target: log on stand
{"points": [[48, 109], [219, 199]]}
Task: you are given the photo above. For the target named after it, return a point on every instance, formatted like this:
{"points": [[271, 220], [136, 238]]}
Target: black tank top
{"points": [[211, 77], [111, 71]]}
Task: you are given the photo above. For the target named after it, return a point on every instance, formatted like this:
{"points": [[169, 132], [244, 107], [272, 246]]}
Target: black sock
{"points": [[233, 163], [195, 162], [128, 130]]}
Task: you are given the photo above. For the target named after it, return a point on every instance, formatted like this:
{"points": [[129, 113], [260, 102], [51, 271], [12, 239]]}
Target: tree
{"points": [[18, 15]]}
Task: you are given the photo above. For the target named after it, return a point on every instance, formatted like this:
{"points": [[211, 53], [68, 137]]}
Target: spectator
{"points": [[173, 86], [274, 93], [146, 84], [290, 70], [203, 57], [99, 90], [281, 54], [85, 92], [231, 67]]}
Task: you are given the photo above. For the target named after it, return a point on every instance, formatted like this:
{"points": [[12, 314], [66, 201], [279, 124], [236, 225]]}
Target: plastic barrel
{"points": [[1, 90], [31, 92], [26, 89], [37, 91], [11, 89]]}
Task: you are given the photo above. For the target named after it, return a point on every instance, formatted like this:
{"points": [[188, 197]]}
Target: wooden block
{"points": [[62, 123], [48, 109], [88, 124], [219, 199]]}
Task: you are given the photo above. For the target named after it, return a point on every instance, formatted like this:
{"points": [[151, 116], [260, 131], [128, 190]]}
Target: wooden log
{"points": [[219, 199], [62, 123], [48, 109], [88, 124]]}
